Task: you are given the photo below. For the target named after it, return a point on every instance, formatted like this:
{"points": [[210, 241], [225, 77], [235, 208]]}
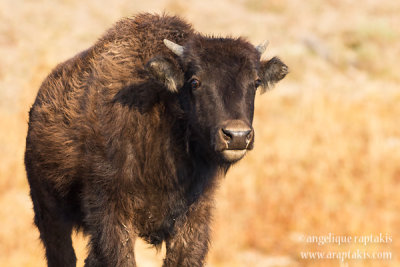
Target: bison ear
{"points": [[166, 72], [271, 72]]}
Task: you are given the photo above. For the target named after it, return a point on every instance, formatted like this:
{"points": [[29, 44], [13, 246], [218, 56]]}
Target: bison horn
{"points": [[177, 49], [261, 47]]}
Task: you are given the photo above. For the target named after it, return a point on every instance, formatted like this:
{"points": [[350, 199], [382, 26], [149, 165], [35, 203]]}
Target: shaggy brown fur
{"points": [[128, 140]]}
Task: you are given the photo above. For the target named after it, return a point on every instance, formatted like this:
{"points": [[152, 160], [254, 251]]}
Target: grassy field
{"points": [[327, 152]]}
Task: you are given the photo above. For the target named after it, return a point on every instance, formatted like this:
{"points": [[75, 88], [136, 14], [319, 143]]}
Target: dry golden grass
{"points": [[327, 156]]}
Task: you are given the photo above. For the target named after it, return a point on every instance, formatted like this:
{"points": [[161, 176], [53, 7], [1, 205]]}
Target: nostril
{"points": [[249, 135], [227, 134]]}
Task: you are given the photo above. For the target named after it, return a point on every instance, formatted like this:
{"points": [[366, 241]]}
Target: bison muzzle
{"points": [[130, 138]]}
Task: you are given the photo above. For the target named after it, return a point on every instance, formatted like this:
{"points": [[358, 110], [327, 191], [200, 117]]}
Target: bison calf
{"points": [[129, 138]]}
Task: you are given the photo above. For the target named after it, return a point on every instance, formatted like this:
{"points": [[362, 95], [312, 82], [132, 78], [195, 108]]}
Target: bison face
{"points": [[216, 83]]}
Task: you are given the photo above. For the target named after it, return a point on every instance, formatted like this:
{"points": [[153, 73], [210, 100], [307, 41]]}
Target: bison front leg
{"points": [[189, 245], [110, 245], [111, 237]]}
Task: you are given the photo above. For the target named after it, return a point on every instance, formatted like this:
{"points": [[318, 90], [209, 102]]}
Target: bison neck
{"points": [[162, 172]]}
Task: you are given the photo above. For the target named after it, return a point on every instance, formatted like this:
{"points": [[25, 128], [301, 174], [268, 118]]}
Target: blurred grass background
{"points": [[327, 154]]}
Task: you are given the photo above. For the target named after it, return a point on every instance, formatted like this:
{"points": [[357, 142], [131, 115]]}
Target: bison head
{"points": [[216, 81]]}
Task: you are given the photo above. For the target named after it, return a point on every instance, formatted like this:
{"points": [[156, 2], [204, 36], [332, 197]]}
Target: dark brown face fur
{"points": [[217, 84], [223, 102]]}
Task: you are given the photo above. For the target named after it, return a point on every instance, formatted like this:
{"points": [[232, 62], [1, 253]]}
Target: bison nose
{"points": [[237, 137]]}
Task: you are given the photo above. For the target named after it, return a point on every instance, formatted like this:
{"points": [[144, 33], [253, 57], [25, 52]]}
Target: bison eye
{"points": [[257, 83], [194, 83]]}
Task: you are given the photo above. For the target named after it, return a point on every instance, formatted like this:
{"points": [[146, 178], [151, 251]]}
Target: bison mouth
{"points": [[233, 155]]}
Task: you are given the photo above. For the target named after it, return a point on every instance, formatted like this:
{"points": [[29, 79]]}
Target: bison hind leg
{"points": [[55, 233]]}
